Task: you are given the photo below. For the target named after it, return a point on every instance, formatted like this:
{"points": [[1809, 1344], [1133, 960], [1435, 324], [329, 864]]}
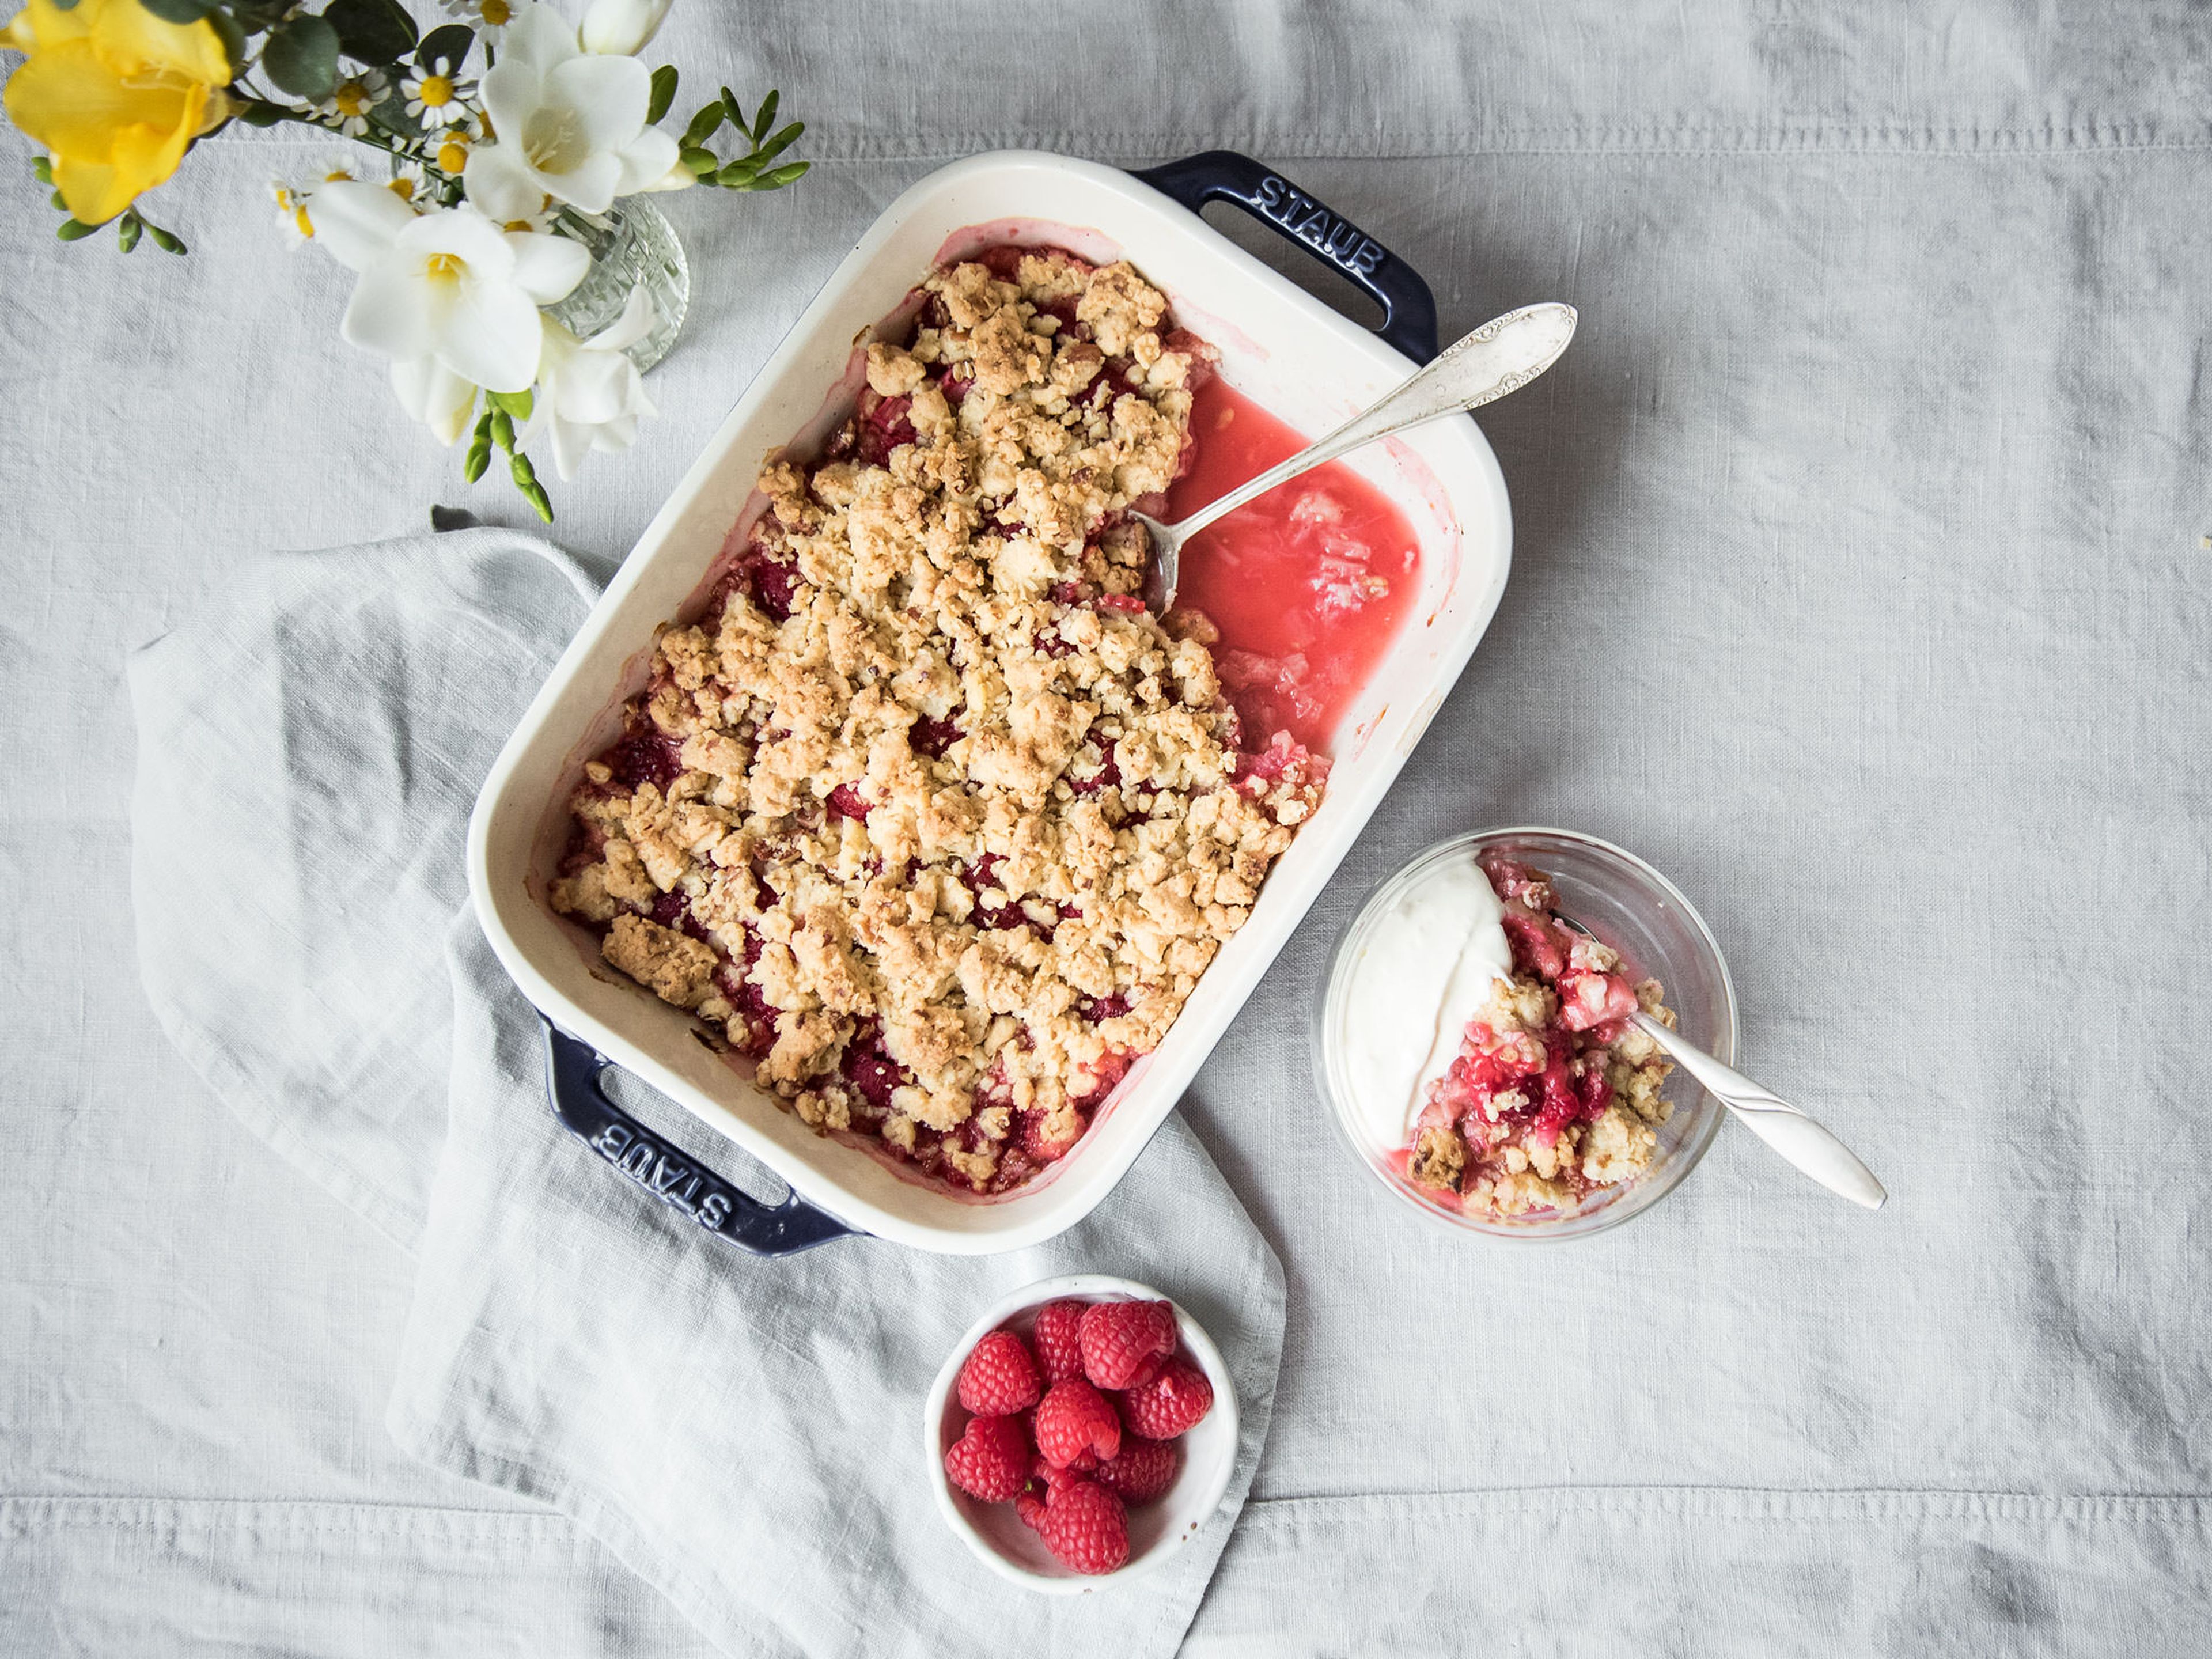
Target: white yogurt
{"points": [[1425, 971]]}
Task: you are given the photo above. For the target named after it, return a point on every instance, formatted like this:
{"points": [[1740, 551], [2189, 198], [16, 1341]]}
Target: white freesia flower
{"points": [[447, 285], [590, 395], [571, 124], [621, 28], [434, 395]]}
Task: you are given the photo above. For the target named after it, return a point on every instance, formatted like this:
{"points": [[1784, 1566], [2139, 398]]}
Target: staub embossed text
{"points": [[674, 1183], [1337, 238]]}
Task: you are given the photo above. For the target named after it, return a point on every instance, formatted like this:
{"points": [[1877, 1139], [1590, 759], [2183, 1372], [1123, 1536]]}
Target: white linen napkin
{"points": [[744, 1434]]}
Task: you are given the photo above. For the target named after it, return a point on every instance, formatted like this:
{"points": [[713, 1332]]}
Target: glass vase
{"points": [[631, 244]]}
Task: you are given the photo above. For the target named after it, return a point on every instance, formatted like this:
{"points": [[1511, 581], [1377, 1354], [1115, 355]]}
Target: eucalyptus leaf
{"points": [[663, 92], [372, 31], [232, 36], [260, 114], [256, 17], [450, 44], [302, 56], [178, 11]]}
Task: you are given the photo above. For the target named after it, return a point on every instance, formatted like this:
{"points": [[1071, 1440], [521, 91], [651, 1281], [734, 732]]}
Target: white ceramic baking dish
{"points": [[1278, 345]]}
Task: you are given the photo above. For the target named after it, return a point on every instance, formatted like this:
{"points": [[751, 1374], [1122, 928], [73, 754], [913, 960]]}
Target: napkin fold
{"points": [[744, 1434]]}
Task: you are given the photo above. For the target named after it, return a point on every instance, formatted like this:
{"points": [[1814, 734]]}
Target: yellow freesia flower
{"points": [[116, 94]]}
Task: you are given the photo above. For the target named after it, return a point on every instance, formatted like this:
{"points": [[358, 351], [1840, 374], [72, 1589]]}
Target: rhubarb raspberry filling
{"points": [[927, 819]]}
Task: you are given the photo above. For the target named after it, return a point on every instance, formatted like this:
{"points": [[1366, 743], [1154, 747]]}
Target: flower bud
{"points": [[621, 28]]}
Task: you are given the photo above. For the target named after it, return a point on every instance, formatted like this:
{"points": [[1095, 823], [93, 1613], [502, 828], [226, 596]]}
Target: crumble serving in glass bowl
{"points": [[1481, 1054], [1553, 1091], [926, 816]]}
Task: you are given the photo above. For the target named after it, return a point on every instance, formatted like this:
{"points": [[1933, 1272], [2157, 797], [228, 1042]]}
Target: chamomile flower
{"points": [[487, 17], [436, 96], [407, 181], [291, 209], [351, 101], [449, 149], [526, 218]]}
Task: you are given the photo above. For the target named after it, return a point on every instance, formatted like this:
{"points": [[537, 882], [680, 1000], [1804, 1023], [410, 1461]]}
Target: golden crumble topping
{"points": [[926, 813]]}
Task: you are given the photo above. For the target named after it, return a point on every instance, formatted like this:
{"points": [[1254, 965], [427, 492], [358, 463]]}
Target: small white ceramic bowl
{"points": [[1157, 1530]]}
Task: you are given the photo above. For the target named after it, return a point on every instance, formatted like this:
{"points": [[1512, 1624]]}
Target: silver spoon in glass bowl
{"points": [[1802, 1140], [1503, 356]]}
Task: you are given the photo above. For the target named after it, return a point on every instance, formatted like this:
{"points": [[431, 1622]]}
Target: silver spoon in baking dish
{"points": [[1503, 356], [1802, 1140]]}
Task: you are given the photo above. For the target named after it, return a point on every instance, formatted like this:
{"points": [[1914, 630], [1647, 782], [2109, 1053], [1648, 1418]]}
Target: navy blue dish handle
{"points": [[572, 1070], [1409, 310]]}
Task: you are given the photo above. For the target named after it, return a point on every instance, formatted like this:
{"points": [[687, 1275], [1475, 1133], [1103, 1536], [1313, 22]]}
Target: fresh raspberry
{"points": [[1030, 1507], [1141, 1471], [1083, 1525], [1059, 1350], [990, 1460], [1044, 1474], [999, 1378], [1073, 1419], [1123, 1342], [1171, 1403]]}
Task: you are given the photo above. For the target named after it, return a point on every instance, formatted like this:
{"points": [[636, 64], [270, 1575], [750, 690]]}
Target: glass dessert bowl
{"points": [[1422, 953]]}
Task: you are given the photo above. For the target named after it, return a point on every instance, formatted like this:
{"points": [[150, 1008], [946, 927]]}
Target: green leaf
{"points": [[776, 145], [167, 240], [55, 200], [451, 43], [73, 230], [766, 118], [42, 169], [372, 31], [704, 125], [735, 110], [260, 114], [232, 38], [126, 233], [256, 16], [65, 5], [663, 92], [178, 11], [701, 162], [737, 175], [777, 178], [516, 403], [302, 56], [502, 429]]}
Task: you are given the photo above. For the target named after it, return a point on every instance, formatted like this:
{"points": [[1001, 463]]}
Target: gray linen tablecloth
{"points": [[1858, 583]]}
